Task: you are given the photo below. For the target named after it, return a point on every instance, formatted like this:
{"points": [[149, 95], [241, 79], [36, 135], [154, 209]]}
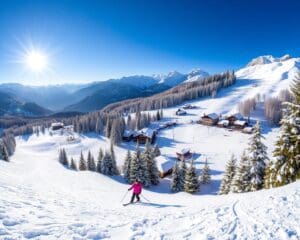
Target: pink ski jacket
{"points": [[137, 188]]}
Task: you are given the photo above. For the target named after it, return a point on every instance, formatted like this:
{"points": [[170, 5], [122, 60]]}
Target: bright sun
{"points": [[36, 61]]}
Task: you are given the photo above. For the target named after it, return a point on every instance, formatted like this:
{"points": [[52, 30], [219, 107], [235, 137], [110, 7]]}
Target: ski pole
{"points": [[145, 198], [124, 196]]}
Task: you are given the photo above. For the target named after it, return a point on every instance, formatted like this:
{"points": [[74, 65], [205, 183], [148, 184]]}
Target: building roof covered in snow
{"points": [[164, 163], [57, 124], [148, 132], [223, 122], [213, 116], [240, 123]]}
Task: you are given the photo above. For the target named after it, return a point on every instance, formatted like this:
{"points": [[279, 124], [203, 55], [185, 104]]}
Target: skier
{"points": [[137, 189]]}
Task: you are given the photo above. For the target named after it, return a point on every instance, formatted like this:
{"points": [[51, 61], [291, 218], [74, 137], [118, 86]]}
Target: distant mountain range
{"points": [[94, 96], [68, 99], [10, 105]]}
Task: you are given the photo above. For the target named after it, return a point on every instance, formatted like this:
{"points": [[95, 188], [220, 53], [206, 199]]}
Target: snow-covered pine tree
{"points": [[82, 163], [182, 173], [134, 165], [116, 131], [91, 162], [176, 184], [99, 160], [108, 164], [205, 174], [156, 151], [284, 168], [241, 179], [228, 176], [258, 158], [63, 159], [114, 168], [138, 168], [191, 183], [73, 165], [3, 152], [149, 159], [126, 166]]}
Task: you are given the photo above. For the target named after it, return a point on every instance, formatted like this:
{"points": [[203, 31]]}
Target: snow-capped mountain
{"points": [[268, 59], [270, 74]]}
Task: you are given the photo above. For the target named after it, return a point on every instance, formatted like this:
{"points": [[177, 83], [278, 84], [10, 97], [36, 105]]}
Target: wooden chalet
{"points": [[145, 135], [165, 166], [56, 126], [234, 117], [180, 112], [240, 124], [223, 123], [184, 154], [210, 119]]}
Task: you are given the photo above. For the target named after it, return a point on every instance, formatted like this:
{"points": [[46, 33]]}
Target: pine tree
{"points": [[82, 163], [149, 159], [191, 184], [73, 165], [284, 168], [182, 173], [99, 160], [156, 151], [176, 184], [108, 163], [63, 159], [241, 179], [126, 166], [134, 165], [228, 176], [91, 162], [114, 168], [205, 174], [258, 158], [138, 169], [3, 153], [116, 131]]}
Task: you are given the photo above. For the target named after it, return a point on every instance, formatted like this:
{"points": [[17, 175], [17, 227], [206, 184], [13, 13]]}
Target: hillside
{"points": [[42, 200], [11, 106]]}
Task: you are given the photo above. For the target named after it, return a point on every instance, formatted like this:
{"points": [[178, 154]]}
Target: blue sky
{"points": [[97, 40]]}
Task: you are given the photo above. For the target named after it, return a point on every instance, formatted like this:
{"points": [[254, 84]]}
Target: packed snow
{"points": [[41, 199]]}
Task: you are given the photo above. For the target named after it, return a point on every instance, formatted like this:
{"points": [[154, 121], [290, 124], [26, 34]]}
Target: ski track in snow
{"points": [[40, 199]]}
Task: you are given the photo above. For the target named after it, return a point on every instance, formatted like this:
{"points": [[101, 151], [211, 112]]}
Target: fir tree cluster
{"points": [[105, 164], [249, 174], [7, 146], [142, 166], [186, 179], [284, 167]]}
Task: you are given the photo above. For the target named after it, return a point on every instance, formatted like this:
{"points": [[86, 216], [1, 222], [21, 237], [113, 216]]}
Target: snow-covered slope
{"points": [[270, 75], [40, 199]]}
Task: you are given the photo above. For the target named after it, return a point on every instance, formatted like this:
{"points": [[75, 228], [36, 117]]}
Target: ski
{"points": [[126, 204]]}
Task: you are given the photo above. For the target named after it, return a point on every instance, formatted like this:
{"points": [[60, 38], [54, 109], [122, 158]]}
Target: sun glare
{"points": [[36, 61]]}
